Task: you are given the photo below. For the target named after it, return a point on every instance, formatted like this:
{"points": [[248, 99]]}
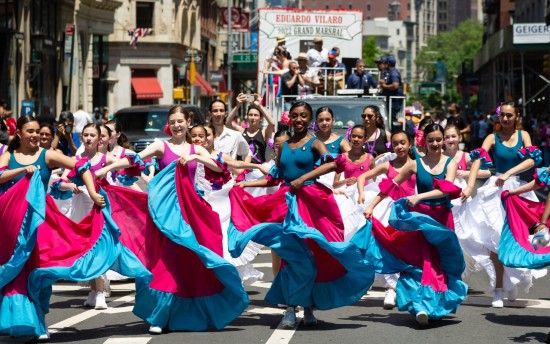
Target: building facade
{"points": [[392, 9], [508, 70], [59, 54], [49, 51], [161, 62]]}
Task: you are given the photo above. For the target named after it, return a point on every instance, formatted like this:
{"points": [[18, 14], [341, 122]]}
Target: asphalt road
{"points": [[525, 321]]}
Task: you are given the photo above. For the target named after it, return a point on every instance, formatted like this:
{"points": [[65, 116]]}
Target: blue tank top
{"points": [[416, 153], [295, 162], [334, 146], [506, 157], [45, 172], [425, 181]]}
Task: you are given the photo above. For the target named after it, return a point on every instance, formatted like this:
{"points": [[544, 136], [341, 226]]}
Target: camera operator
{"points": [[65, 140], [291, 80]]}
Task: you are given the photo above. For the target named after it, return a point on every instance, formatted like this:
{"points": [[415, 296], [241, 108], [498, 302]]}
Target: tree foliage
{"points": [[371, 51], [453, 48]]}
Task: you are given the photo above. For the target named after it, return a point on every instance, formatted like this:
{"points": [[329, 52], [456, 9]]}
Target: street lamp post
{"points": [[229, 56]]}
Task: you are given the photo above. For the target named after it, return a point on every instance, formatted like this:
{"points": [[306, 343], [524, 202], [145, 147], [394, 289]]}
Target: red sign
{"points": [[239, 20], [69, 29]]}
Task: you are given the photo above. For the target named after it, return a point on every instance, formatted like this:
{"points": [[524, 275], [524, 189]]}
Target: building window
{"points": [[145, 12], [368, 7], [398, 32], [369, 18], [326, 7], [350, 6], [408, 6]]}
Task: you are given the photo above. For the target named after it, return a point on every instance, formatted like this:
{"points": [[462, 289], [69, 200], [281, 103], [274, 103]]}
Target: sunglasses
{"points": [[363, 116], [506, 115]]}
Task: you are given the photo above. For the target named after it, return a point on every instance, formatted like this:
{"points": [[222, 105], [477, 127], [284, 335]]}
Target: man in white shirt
{"points": [[317, 55], [228, 141], [81, 118]]}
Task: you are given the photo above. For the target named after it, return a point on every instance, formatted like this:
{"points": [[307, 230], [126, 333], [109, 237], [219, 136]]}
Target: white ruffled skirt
{"points": [[220, 203], [478, 225]]}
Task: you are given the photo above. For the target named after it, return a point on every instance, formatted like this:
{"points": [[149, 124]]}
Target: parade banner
{"points": [[338, 28]]}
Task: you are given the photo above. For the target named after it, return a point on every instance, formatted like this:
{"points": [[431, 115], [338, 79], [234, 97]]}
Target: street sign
{"points": [[196, 58], [27, 107], [431, 87], [244, 58]]}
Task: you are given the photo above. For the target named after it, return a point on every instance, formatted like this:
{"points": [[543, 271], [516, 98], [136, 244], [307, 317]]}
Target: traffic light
{"points": [[546, 64]]}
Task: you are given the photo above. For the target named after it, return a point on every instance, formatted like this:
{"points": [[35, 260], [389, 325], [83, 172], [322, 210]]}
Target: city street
{"points": [[525, 321]]}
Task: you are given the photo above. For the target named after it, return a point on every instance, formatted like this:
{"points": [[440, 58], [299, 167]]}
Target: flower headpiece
{"points": [[271, 143], [348, 133], [285, 119], [497, 110], [167, 129], [314, 127], [419, 138]]}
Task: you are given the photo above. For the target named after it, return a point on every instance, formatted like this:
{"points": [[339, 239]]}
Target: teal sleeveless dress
{"points": [[505, 157], [40, 163]]}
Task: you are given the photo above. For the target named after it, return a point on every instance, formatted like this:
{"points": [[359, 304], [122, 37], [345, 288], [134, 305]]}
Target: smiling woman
{"points": [[327, 275], [22, 311]]}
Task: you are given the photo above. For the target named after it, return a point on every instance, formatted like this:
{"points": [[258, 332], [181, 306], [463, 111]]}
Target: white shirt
{"points": [[232, 142], [81, 118], [316, 58]]}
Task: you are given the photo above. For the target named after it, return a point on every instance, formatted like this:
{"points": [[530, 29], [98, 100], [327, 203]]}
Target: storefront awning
{"points": [[146, 88], [206, 89]]}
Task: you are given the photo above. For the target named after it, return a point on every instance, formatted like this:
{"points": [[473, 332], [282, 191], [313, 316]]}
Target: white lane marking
{"points": [[261, 284], [373, 294], [266, 310], [75, 287], [480, 301], [128, 340], [87, 315], [116, 310], [519, 303], [283, 336]]}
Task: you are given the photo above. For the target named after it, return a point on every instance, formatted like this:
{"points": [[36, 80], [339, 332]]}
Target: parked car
{"points": [[143, 125]]}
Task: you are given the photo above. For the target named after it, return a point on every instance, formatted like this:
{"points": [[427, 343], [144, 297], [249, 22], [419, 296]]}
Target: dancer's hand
{"points": [[461, 174], [30, 169], [368, 212], [413, 200], [466, 193], [98, 199], [539, 227], [351, 181], [501, 179], [70, 187], [340, 192], [297, 183], [185, 159], [240, 184], [361, 198]]}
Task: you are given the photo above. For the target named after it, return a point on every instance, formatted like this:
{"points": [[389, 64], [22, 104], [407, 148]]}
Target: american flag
{"points": [[136, 33]]}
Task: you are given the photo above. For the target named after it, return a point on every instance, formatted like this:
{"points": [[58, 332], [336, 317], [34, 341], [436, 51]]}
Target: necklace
{"points": [[370, 147]]}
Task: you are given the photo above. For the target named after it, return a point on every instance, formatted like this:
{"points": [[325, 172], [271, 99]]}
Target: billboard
{"points": [[339, 28]]}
